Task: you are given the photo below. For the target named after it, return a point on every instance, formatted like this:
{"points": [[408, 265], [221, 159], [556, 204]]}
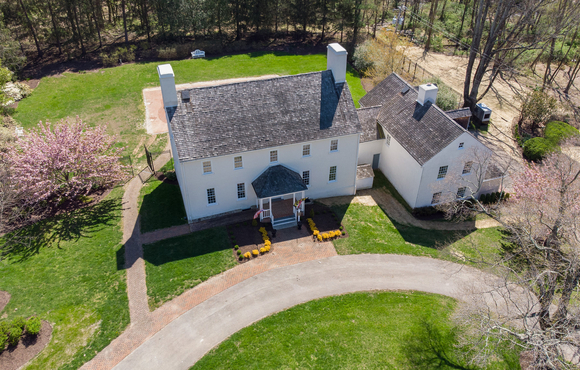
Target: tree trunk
{"points": [[572, 73], [323, 19], [482, 8], [124, 22], [432, 12], [39, 51], [356, 26], [56, 32], [97, 24]]}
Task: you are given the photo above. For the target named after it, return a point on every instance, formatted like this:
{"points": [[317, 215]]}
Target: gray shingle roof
{"points": [[423, 130], [459, 113], [278, 180], [234, 118], [364, 171], [368, 121]]}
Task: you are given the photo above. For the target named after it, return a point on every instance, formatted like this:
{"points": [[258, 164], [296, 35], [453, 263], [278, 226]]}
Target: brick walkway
{"points": [[291, 246]]}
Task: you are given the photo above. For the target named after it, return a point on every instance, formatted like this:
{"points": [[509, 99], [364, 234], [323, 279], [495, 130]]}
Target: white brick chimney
{"points": [[336, 61], [427, 92], [167, 81]]}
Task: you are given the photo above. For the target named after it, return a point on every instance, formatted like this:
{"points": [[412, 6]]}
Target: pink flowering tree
{"points": [[540, 259], [65, 160]]}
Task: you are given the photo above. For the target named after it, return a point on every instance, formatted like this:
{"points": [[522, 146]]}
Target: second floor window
{"points": [[238, 162], [306, 177], [306, 150], [334, 145], [442, 172], [332, 174], [207, 167], [467, 167], [273, 156]]}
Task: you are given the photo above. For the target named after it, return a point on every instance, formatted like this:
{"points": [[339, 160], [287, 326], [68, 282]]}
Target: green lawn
{"points": [[114, 95], [177, 264], [71, 275], [377, 330], [372, 231], [161, 206]]}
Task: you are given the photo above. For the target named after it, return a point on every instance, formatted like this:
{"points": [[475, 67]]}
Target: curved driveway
{"points": [[186, 339]]}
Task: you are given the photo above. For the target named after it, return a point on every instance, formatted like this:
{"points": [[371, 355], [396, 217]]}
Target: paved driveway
{"points": [[186, 339]]}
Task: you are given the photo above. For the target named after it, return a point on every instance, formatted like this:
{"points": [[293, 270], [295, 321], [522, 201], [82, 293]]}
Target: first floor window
{"points": [[334, 145], [467, 167], [436, 198], [305, 150], [238, 162], [211, 196], [442, 172], [332, 174], [273, 156], [241, 191], [206, 167], [461, 192], [306, 177], [388, 139]]}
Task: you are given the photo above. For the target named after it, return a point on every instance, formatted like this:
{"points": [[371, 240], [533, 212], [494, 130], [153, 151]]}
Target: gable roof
{"points": [[278, 180], [422, 130], [229, 119], [368, 121]]}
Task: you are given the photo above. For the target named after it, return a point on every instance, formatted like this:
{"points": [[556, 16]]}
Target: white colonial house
{"points": [[267, 144]]}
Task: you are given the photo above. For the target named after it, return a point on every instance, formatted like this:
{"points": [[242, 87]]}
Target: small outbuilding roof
{"points": [[278, 180], [459, 113], [364, 171], [252, 115]]}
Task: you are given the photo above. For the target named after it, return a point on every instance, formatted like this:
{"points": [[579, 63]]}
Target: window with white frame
{"points": [[238, 162], [242, 191], [273, 156], [211, 196], [461, 192], [436, 198], [206, 167], [334, 145], [306, 177], [461, 145], [388, 139], [442, 172], [332, 174], [467, 167], [306, 150]]}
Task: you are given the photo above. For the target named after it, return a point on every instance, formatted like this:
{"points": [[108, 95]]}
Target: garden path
{"points": [[398, 213]]}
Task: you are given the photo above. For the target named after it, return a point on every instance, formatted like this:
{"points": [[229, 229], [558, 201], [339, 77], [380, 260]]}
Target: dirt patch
{"points": [[248, 238], [4, 299], [31, 83], [15, 357]]}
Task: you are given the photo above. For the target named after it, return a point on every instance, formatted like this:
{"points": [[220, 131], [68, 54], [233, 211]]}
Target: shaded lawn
{"points": [[376, 330], [178, 264], [114, 95], [69, 276], [381, 181], [372, 231], [160, 206]]}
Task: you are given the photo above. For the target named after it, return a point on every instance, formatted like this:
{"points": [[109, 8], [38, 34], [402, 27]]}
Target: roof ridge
{"points": [[371, 107]]}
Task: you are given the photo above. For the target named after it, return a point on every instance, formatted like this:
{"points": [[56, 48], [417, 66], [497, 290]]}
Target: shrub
{"points": [[316, 232], [262, 250], [556, 131], [254, 223], [340, 228], [537, 148], [537, 107], [236, 247], [239, 253], [255, 252], [19, 322], [167, 53], [247, 255], [14, 334], [33, 325], [267, 247], [237, 225], [3, 341], [343, 233], [109, 59], [267, 242], [241, 258]]}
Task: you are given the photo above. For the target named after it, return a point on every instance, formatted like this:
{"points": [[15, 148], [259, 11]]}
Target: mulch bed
{"points": [[247, 238], [29, 346], [324, 218], [4, 298]]}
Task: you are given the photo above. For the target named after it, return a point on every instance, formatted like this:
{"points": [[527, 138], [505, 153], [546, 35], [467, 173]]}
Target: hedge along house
{"points": [[426, 153], [265, 143]]}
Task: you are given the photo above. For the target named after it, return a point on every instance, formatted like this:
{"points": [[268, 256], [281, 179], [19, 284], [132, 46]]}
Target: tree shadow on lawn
{"points": [[434, 239], [26, 242], [188, 246]]}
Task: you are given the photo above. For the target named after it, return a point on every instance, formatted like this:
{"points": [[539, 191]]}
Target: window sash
{"points": [[388, 139], [238, 162], [211, 199], [436, 198], [332, 174], [241, 190], [461, 145], [306, 177], [461, 192], [306, 150], [442, 172], [207, 167], [334, 145], [467, 167], [273, 156]]}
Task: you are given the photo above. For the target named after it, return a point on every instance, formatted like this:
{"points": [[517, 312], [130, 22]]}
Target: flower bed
{"points": [[249, 239], [324, 224]]}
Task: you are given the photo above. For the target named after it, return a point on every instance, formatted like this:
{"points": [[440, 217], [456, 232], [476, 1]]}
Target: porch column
{"points": [[261, 205], [302, 205]]}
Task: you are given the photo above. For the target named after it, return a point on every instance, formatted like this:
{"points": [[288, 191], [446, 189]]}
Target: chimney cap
{"points": [[337, 48], [165, 70]]}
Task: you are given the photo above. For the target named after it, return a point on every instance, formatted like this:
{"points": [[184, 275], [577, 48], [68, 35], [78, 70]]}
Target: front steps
{"points": [[284, 222]]}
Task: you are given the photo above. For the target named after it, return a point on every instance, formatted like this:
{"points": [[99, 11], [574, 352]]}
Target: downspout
{"points": [[356, 161]]}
